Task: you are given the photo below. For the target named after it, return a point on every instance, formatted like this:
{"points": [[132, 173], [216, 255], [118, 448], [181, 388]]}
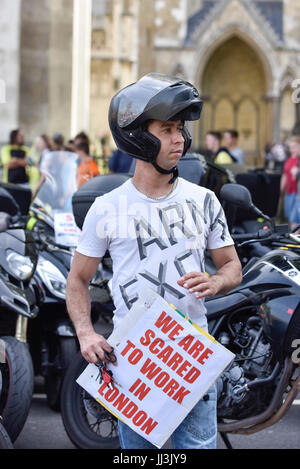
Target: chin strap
{"points": [[173, 171]]}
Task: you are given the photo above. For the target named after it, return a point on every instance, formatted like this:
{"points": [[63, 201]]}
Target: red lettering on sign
{"points": [[129, 346], [205, 355], [165, 354], [175, 360], [147, 339], [150, 369], [171, 387], [176, 331], [149, 426], [135, 356], [130, 410], [120, 402], [181, 393], [166, 323], [139, 418], [161, 379], [195, 349], [186, 342], [140, 388], [192, 375], [156, 342], [183, 368], [101, 389], [111, 394]]}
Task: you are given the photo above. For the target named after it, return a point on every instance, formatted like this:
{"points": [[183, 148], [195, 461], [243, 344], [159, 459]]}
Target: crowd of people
{"points": [[26, 166]]}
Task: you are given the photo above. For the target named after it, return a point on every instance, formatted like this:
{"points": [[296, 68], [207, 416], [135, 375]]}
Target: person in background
{"points": [[87, 168], [58, 141], [289, 182], [15, 160], [231, 142], [45, 146], [82, 137], [275, 156], [221, 155], [119, 162]]}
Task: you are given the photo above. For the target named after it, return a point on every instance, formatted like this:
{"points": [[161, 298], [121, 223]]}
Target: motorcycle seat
{"points": [[217, 306]]}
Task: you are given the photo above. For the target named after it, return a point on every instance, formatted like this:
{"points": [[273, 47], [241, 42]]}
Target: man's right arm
{"points": [[92, 345]]}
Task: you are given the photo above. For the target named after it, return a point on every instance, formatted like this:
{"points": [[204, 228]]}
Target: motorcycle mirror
{"points": [[239, 195], [236, 194]]}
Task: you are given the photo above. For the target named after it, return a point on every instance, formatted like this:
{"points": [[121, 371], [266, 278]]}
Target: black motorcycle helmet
{"points": [[154, 97]]}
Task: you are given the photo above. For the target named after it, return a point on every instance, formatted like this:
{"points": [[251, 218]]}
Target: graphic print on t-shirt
{"points": [[175, 232]]}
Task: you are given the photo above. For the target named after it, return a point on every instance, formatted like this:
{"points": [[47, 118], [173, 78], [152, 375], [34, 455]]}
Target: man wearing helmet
{"points": [[156, 227]]}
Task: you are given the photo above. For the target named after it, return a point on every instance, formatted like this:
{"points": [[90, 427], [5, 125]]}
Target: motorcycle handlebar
{"points": [[261, 235], [258, 235]]}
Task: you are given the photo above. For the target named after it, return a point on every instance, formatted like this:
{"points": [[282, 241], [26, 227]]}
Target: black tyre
{"points": [[5, 441], [88, 424], [66, 349], [17, 385]]}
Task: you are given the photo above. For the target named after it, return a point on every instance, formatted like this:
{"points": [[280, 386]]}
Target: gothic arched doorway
{"points": [[234, 88]]}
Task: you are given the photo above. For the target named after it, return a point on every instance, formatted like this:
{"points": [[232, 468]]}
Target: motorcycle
{"points": [[5, 441], [259, 321], [53, 340], [20, 298]]}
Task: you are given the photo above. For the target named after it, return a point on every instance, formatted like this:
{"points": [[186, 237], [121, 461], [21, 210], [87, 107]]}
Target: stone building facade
{"points": [[62, 60]]}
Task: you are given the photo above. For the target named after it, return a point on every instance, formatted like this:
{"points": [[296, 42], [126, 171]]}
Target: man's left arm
{"points": [[227, 276]]}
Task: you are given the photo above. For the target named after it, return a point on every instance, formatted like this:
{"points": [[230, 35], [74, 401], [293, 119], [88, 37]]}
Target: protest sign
{"points": [[66, 231], [166, 363]]}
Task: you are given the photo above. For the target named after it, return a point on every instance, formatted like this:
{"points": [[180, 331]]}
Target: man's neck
{"points": [[149, 181]]}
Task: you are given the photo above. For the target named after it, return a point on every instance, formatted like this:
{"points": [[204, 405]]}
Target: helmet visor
{"points": [[134, 99]]}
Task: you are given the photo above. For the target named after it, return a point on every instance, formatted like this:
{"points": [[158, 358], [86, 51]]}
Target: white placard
{"points": [[67, 232], [166, 363]]}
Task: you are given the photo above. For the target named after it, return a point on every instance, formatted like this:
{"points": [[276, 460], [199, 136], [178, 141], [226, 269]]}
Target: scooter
{"points": [[259, 321], [20, 299]]}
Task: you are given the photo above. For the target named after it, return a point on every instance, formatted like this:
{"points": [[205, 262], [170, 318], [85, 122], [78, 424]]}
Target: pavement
{"points": [[44, 429]]}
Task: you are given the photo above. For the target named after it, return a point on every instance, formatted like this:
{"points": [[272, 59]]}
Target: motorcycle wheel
{"points": [[66, 349], [88, 424], [17, 376], [5, 441]]}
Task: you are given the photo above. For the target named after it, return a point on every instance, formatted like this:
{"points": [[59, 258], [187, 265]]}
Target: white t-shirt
{"points": [[154, 243]]}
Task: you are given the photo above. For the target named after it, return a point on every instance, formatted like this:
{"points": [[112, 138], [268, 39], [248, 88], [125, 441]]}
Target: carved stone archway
{"points": [[249, 90]]}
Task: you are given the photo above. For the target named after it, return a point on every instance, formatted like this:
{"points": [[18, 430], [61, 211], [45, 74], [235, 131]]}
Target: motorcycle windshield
{"points": [[59, 169]]}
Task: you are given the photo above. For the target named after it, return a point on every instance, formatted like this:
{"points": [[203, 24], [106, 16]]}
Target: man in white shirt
{"points": [[156, 227]]}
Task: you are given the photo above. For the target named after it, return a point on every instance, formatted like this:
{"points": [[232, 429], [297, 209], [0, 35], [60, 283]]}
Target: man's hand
{"points": [[92, 347], [198, 282], [227, 276]]}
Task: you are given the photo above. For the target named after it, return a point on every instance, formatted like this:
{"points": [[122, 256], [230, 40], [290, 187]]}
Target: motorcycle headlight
{"points": [[21, 266], [52, 278]]}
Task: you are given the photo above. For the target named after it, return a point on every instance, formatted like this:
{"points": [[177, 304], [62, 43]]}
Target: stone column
{"points": [[81, 69], [296, 129], [116, 66], [60, 66], [276, 118], [9, 66], [34, 68]]}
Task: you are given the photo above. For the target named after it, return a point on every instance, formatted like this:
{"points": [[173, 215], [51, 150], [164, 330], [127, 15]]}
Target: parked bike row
{"points": [[258, 321]]}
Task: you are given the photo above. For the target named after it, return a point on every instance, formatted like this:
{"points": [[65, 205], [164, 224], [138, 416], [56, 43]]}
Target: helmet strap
{"points": [[173, 171]]}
